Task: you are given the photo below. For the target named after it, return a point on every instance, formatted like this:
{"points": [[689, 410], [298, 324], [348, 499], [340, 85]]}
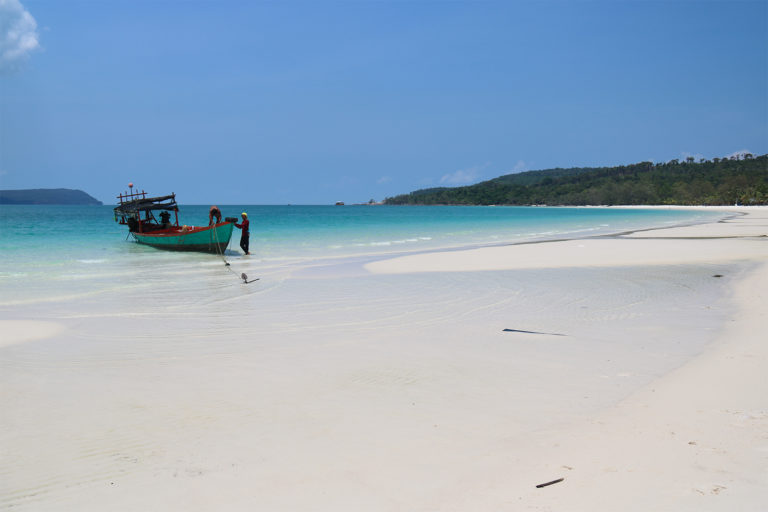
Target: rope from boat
{"points": [[218, 250]]}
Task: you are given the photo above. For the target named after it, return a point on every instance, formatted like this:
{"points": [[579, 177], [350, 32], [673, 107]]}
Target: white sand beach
{"points": [[633, 367]]}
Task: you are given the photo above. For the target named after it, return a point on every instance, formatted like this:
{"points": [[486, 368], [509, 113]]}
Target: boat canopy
{"points": [[144, 204], [135, 205]]}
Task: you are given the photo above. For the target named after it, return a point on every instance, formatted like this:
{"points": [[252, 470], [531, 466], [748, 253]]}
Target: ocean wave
{"points": [[12, 274]]}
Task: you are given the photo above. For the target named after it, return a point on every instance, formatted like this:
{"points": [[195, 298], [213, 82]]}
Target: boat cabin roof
{"points": [[147, 204]]}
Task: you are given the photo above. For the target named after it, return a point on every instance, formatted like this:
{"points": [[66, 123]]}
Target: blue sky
{"points": [[314, 102]]}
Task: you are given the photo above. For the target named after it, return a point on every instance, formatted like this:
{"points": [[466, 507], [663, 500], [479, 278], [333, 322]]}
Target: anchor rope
{"points": [[221, 254]]}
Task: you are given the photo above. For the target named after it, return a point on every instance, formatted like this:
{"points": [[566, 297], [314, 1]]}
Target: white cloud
{"points": [[383, 180], [739, 154], [18, 35], [463, 176], [520, 166]]}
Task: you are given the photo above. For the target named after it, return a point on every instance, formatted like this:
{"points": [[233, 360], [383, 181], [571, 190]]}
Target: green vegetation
{"points": [[46, 196], [720, 181]]}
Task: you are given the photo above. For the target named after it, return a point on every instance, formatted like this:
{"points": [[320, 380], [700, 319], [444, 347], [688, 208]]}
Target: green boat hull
{"points": [[213, 239]]}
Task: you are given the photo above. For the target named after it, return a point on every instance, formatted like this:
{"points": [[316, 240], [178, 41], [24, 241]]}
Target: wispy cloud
{"points": [[464, 176], [739, 154], [383, 180], [18, 35], [520, 166]]}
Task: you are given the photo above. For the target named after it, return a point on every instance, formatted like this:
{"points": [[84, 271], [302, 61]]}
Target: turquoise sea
{"points": [[60, 250]]}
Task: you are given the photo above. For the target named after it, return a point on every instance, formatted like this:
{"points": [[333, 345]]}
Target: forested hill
{"points": [[46, 196], [742, 180]]}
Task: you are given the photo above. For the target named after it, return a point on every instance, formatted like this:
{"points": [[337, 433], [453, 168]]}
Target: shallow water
{"points": [[61, 253]]}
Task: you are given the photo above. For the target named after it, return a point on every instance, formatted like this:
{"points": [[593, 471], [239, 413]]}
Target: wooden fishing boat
{"points": [[137, 211]]}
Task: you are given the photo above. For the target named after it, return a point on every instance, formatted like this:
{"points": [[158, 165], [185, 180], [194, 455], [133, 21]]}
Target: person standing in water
{"points": [[244, 238]]}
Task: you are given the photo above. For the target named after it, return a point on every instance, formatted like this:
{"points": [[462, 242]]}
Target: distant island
{"points": [[46, 196], [741, 179]]}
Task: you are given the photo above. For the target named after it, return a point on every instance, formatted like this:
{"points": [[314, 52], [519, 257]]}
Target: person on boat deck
{"points": [[214, 212], [246, 233]]}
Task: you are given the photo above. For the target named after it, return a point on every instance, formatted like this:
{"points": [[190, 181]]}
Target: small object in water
{"points": [[532, 332], [550, 483], [244, 277], [718, 275]]}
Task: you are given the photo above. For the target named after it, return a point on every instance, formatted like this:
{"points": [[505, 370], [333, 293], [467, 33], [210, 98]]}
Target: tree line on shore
{"points": [[741, 179]]}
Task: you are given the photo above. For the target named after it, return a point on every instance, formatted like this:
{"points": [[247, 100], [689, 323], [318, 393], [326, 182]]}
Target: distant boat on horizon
{"points": [[339, 203]]}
